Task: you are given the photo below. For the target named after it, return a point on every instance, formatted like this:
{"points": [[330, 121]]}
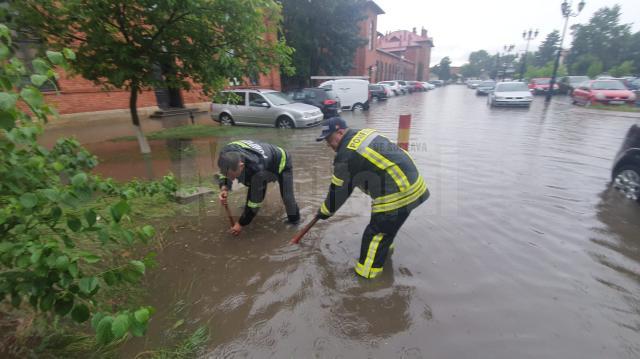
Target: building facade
{"points": [[397, 55]]}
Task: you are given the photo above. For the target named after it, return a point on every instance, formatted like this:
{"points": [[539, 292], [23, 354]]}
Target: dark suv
{"points": [[326, 100], [378, 92], [625, 175]]}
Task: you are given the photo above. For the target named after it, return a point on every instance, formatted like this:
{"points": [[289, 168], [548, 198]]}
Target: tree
{"points": [[325, 35], [624, 69], [443, 69], [548, 49], [583, 63], [603, 37], [480, 62], [125, 44], [595, 69]]}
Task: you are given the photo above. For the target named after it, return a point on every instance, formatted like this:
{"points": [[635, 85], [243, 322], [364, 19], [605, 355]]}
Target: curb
{"points": [[599, 112]]}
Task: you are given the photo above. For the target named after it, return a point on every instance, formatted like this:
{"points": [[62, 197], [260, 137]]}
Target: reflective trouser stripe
{"points": [[336, 181], [366, 269], [240, 143], [254, 204], [325, 210], [283, 160]]}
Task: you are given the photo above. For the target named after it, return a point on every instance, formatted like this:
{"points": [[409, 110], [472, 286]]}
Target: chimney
{"points": [[424, 32], [414, 30]]}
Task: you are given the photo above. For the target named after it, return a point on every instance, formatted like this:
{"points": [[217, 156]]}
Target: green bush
{"points": [[56, 229]]}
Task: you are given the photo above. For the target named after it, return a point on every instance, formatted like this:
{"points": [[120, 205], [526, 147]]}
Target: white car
{"points": [[395, 87], [353, 93], [427, 85], [510, 94]]}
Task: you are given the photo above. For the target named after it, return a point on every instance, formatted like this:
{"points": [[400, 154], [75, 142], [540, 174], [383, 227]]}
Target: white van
{"points": [[353, 93]]}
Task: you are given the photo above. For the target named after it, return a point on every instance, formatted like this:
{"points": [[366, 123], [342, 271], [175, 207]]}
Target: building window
{"points": [[370, 36]]}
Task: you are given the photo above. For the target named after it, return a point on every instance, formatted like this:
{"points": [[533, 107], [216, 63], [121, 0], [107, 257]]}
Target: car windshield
{"points": [[277, 98], [541, 81], [487, 84], [607, 85], [375, 88], [511, 87], [578, 79]]}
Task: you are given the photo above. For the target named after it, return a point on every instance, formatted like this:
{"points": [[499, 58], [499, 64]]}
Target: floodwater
{"points": [[521, 251]]}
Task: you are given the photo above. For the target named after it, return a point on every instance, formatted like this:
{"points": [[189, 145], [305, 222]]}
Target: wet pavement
{"points": [[521, 251]]}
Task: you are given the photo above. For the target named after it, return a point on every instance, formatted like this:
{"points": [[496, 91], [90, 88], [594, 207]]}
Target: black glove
{"points": [[322, 216]]}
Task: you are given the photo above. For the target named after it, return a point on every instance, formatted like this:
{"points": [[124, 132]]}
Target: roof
{"points": [[403, 39]]}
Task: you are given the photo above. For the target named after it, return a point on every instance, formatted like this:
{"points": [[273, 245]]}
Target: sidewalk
{"points": [[598, 112]]}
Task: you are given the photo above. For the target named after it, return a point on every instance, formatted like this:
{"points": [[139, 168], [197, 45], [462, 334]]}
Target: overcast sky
{"points": [[459, 27]]}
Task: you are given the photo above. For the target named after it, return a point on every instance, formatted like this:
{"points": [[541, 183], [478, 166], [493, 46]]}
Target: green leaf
{"points": [[51, 194], [63, 306], [57, 166], [73, 269], [104, 335], [36, 255], [74, 223], [4, 52], [40, 66], [148, 231], [118, 210], [96, 319], [79, 179], [138, 266], [138, 329], [28, 200], [91, 258], [46, 302], [91, 217], [69, 54], [109, 278], [62, 263], [38, 80], [56, 213], [32, 96], [88, 284], [80, 313], [8, 101], [103, 235], [120, 326], [142, 315], [7, 120], [55, 57]]}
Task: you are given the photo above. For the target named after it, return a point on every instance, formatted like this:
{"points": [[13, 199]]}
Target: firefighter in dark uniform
{"points": [[255, 164], [371, 162]]}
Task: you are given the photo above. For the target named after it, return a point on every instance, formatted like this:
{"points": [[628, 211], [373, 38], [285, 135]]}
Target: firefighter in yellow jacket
{"points": [[371, 162]]}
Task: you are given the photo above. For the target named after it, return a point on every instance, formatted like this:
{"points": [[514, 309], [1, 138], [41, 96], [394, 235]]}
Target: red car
{"points": [[607, 92], [540, 85]]}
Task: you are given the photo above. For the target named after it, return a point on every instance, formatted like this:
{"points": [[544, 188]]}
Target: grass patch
{"points": [[191, 131], [617, 108]]}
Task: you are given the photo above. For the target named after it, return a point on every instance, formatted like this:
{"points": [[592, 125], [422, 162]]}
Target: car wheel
{"points": [[226, 119], [588, 103], [374, 99], [395, 93], [627, 181], [573, 101], [358, 107], [284, 122]]}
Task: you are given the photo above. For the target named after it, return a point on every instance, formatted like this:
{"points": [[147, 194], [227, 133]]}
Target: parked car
{"points": [[416, 86], [263, 108], [403, 84], [607, 92], [510, 94], [634, 85], [437, 83], [388, 89], [378, 92], [326, 100], [395, 87], [625, 174], [485, 87], [353, 93], [473, 84], [568, 83], [428, 86], [540, 85]]}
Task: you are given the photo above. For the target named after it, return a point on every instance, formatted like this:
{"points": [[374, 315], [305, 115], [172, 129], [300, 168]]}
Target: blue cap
{"points": [[332, 125]]}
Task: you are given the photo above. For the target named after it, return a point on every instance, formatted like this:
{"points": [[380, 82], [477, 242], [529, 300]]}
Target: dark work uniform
{"points": [[369, 161], [263, 163]]}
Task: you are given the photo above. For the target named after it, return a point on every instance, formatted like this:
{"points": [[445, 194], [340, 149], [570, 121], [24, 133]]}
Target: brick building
{"points": [[398, 55]]}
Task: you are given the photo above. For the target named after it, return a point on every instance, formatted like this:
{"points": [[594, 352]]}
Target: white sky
{"points": [[459, 27]]}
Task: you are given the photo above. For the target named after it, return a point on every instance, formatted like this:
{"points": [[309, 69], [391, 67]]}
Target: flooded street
{"points": [[520, 252]]}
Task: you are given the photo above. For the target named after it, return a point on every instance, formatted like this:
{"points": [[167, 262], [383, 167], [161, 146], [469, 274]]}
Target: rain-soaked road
{"points": [[520, 252]]}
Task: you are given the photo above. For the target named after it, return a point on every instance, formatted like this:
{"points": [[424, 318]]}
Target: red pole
{"points": [[404, 127]]}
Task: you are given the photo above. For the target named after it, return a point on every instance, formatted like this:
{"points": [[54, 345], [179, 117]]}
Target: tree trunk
{"points": [[133, 100]]}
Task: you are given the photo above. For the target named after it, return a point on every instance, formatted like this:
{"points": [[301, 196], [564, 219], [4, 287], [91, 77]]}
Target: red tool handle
{"points": [[304, 231]]}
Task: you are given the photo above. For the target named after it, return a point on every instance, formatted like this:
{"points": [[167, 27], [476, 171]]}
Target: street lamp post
{"points": [[507, 49], [530, 35], [566, 13]]}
